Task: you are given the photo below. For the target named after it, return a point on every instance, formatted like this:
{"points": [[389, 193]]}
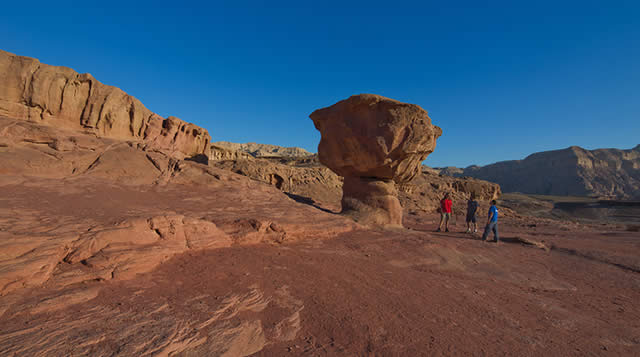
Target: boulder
{"points": [[374, 143]]}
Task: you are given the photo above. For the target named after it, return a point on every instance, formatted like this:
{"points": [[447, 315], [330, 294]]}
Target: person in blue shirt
{"points": [[492, 223]]}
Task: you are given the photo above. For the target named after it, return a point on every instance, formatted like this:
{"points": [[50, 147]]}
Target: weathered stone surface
{"points": [[67, 189], [371, 200], [372, 136], [222, 153], [369, 137], [424, 192], [60, 97], [261, 150], [310, 182], [574, 171], [449, 171]]}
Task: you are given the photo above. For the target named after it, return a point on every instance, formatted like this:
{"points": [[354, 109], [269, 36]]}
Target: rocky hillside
{"points": [[62, 98], [573, 171], [307, 180], [259, 150]]}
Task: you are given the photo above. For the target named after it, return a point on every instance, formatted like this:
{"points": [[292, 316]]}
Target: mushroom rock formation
{"points": [[374, 142]]}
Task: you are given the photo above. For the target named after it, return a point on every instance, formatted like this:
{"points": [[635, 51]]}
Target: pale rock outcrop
{"points": [[60, 97], [260, 150], [222, 153], [374, 142], [424, 192], [309, 182]]}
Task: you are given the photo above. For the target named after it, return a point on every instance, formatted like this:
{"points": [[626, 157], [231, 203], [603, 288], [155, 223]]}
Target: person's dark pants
{"points": [[492, 226]]}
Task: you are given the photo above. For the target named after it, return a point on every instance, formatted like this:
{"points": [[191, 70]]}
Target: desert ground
{"points": [[289, 278]]}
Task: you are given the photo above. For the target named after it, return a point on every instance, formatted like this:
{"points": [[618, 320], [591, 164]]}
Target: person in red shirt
{"points": [[446, 210]]}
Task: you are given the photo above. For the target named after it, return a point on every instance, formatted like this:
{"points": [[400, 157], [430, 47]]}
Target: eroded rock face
{"points": [[260, 150], [60, 97], [79, 209], [221, 153], [574, 171], [374, 142]]}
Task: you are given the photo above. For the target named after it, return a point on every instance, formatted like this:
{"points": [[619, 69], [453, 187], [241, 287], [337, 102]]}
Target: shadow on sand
{"points": [[308, 201]]}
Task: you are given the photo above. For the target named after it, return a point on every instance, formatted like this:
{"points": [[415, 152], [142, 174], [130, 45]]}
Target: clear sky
{"points": [[503, 79]]}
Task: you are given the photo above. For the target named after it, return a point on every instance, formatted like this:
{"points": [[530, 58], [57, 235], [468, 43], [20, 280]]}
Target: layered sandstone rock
{"points": [[79, 209], [307, 180], [424, 192], [573, 171], [60, 97], [221, 153], [374, 142]]}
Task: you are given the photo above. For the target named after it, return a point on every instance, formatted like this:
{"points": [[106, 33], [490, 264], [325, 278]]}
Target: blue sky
{"points": [[503, 79]]}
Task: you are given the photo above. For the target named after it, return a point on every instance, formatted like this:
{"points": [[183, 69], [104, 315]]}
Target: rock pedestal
{"points": [[371, 201], [374, 142]]}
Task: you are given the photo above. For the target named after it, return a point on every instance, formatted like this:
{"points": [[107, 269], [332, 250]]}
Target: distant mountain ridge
{"points": [[263, 150], [574, 171]]}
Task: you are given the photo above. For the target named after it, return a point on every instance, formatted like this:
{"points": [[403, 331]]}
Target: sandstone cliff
{"points": [[573, 171], [60, 97]]}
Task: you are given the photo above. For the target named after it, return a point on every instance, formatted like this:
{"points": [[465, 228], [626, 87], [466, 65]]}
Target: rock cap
{"points": [[369, 135]]}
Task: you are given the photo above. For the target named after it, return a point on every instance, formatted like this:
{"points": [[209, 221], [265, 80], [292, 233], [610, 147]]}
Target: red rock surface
{"points": [[60, 97], [374, 142], [307, 180], [364, 292], [74, 179]]}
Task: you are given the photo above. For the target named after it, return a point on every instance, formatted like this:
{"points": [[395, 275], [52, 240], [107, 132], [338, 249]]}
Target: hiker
{"points": [[472, 209], [446, 210], [492, 223]]}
